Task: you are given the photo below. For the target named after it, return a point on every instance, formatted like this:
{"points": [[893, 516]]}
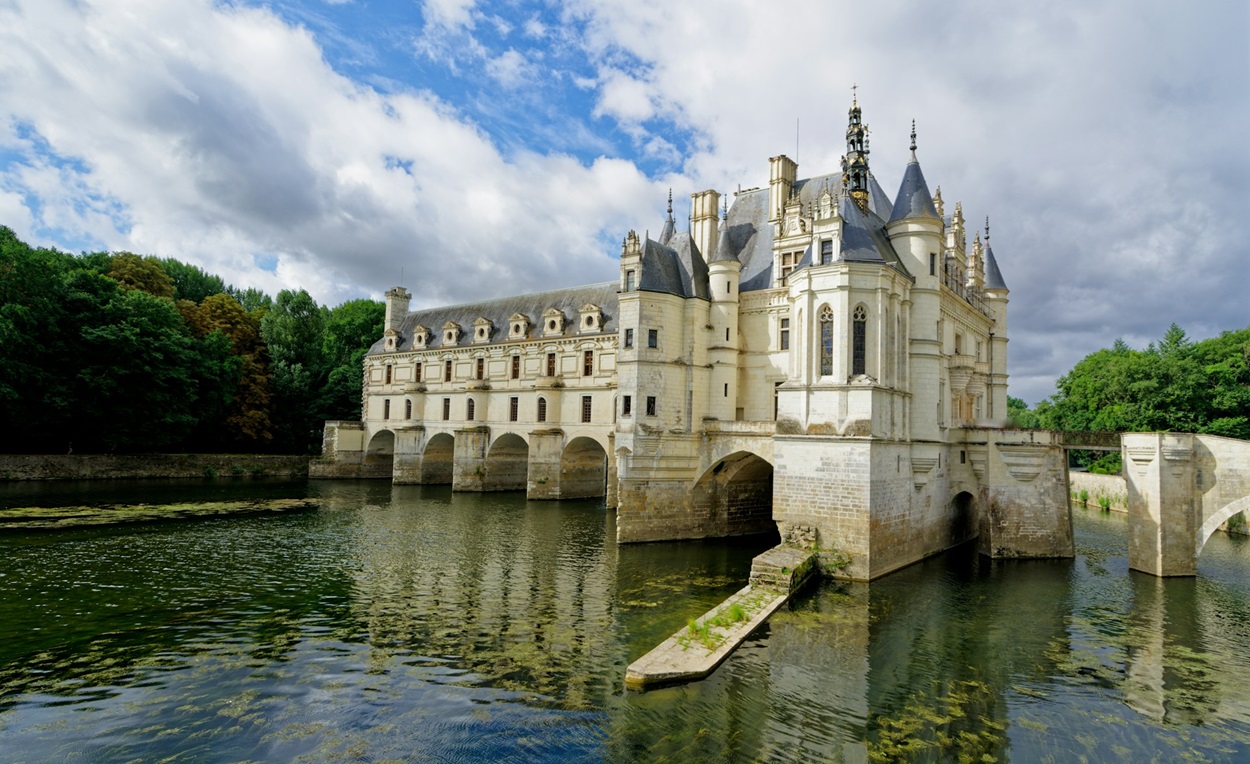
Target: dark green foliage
{"points": [[191, 282], [120, 353], [1178, 385], [1018, 414]]}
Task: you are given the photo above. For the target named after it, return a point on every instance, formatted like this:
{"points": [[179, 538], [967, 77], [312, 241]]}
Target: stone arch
{"points": [[583, 469], [380, 455], [963, 515], [736, 493], [1213, 523], [438, 459], [507, 462]]}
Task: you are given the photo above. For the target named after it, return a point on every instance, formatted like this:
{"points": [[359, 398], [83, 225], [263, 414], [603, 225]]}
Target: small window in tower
{"points": [[407, 409], [726, 389], [932, 263], [446, 409], [629, 338], [469, 410], [826, 252], [514, 405], [726, 334], [586, 404], [542, 409], [386, 409], [650, 405], [588, 363], [629, 281], [785, 334], [627, 405], [516, 367], [447, 371], [653, 338], [551, 364]]}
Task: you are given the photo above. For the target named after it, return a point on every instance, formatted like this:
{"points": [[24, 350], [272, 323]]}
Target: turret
{"points": [[631, 262], [855, 163], [996, 300], [397, 300], [724, 271]]}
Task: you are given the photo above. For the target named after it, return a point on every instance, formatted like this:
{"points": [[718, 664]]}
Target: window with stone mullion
{"points": [[826, 341]]}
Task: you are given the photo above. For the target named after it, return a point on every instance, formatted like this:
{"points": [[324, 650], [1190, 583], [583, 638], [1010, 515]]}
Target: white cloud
{"points": [[510, 69], [624, 98]]}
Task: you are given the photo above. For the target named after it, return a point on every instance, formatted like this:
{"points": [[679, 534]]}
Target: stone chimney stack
{"points": [[704, 218], [397, 300], [782, 172]]}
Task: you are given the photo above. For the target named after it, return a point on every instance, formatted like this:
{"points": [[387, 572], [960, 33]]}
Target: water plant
{"points": [[1083, 496], [1104, 502], [210, 473]]}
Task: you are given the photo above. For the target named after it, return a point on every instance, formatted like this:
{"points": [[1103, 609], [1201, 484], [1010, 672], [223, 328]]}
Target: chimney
{"points": [[396, 307]]}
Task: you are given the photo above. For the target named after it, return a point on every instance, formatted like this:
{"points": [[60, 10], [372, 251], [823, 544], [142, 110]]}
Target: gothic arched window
{"points": [[826, 341], [542, 409], [859, 336], [469, 412]]}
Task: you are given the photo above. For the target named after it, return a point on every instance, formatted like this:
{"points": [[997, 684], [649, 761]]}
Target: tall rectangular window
{"points": [[551, 364], [386, 407], [447, 371], [726, 390], [653, 338], [650, 405], [481, 368], [388, 373], [826, 252], [416, 375], [629, 281], [826, 341], [469, 410], [542, 409], [629, 338], [859, 337], [516, 367], [785, 334], [588, 363], [627, 405], [407, 409], [932, 263], [514, 404], [586, 408], [446, 409]]}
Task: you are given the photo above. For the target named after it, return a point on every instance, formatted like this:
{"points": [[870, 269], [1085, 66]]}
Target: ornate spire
{"points": [[987, 230], [856, 161], [913, 139], [666, 233]]}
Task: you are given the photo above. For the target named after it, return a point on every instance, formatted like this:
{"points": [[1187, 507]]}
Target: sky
{"points": [[471, 149]]}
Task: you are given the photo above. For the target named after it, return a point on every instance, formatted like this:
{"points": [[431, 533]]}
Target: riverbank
{"points": [[18, 467], [66, 518]]}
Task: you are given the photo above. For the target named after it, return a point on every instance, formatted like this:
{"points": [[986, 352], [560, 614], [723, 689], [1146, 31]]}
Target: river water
{"points": [[414, 624]]}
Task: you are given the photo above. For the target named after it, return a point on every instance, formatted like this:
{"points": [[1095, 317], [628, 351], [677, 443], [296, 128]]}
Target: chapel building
{"points": [[814, 357]]}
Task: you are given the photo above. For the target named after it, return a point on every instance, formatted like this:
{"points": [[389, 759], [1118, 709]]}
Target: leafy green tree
{"points": [[191, 282], [350, 329], [1018, 413], [293, 329], [253, 300]]}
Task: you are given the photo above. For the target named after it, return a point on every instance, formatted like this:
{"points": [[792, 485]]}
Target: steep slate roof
{"points": [[751, 234], [914, 199], [993, 276], [501, 310], [724, 252], [674, 269]]}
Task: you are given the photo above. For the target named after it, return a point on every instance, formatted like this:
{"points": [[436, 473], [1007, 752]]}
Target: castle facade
{"points": [[814, 357]]}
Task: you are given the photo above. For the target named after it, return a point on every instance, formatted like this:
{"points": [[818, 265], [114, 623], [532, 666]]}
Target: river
{"points": [[417, 624]]}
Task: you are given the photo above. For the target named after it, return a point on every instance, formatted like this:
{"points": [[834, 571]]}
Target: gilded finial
{"points": [[913, 135]]}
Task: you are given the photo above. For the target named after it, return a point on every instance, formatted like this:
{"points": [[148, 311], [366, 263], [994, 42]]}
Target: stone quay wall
{"points": [[144, 466], [1112, 487]]}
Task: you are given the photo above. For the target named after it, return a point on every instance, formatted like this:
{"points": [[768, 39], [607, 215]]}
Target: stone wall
{"points": [[143, 466], [1109, 487]]}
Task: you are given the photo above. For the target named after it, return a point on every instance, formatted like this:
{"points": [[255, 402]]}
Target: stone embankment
{"points": [[695, 651], [1110, 490], [145, 466]]}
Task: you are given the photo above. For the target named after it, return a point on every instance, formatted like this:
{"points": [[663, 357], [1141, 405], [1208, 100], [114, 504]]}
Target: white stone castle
{"points": [[819, 359]]}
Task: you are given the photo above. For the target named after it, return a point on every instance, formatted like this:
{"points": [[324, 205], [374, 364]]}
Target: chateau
{"points": [[814, 357]]}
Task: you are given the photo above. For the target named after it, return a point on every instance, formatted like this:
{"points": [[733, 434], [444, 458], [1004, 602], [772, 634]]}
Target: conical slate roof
{"points": [[914, 199], [993, 276], [724, 252]]}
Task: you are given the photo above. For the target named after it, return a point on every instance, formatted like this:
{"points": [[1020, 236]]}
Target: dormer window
{"points": [[420, 336], [553, 322], [481, 330], [391, 340], [451, 333], [518, 326], [590, 319]]}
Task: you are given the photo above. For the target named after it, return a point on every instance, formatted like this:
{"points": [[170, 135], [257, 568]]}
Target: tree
{"points": [[293, 329], [1018, 413], [350, 330], [191, 282], [142, 273]]}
